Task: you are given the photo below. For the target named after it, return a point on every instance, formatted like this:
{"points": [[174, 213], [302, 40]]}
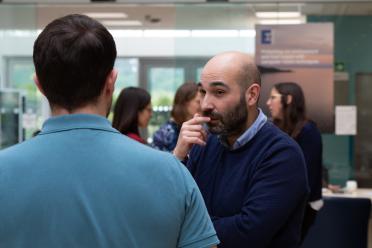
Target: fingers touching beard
{"points": [[232, 121]]}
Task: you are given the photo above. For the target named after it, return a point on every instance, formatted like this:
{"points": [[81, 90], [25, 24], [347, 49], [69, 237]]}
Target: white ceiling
{"points": [[191, 14]]}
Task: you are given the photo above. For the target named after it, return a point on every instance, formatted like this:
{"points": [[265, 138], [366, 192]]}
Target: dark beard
{"points": [[233, 122]]}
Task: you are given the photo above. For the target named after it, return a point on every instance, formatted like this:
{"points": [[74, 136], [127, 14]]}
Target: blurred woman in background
{"points": [[186, 103], [287, 107], [132, 111]]}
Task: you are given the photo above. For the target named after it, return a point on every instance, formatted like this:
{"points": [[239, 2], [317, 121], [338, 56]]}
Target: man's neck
{"points": [[88, 109], [252, 116]]}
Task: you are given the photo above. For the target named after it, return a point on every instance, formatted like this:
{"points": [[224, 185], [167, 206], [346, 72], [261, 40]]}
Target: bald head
{"points": [[237, 65]]}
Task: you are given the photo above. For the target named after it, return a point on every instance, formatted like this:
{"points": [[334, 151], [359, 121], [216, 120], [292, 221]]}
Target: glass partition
{"points": [[10, 118], [20, 73], [128, 70]]}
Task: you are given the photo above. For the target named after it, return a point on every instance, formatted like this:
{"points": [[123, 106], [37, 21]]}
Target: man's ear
{"points": [[110, 81], [38, 85], [289, 99], [252, 94]]}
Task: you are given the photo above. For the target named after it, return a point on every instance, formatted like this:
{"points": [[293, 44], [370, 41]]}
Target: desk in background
{"points": [[359, 193]]}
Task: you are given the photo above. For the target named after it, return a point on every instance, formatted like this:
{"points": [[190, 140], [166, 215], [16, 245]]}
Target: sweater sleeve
{"points": [[310, 142], [278, 188], [192, 159]]}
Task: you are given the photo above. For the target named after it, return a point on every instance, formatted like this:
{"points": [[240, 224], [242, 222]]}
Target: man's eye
{"points": [[202, 92], [220, 92]]}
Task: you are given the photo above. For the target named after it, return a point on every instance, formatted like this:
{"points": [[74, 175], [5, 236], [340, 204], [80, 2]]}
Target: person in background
{"points": [[186, 103], [132, 111], [252, 175], [288, 111], [80, 183]]}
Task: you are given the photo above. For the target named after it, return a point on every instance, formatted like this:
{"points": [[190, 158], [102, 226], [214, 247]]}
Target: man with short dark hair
{"points": [[252, 176], [80, 183]]}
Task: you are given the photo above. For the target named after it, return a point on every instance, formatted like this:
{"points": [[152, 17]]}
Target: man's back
{"points": [[80, 183]]}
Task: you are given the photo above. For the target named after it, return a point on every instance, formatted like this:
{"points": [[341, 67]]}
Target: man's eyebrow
{"points": [[215, 84], [218, 83]]}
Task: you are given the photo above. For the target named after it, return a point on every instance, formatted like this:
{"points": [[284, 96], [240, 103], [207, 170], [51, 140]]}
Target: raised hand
{"points": [[192, 132]]}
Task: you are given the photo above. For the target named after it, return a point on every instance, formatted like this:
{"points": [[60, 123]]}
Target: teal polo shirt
{"points": [[80, 183]]}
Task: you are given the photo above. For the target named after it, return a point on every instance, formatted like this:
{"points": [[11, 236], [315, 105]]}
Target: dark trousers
{"points": [[309, 218]]}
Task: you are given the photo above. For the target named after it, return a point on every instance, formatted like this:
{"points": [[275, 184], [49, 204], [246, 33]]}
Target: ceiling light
{"points": [[167, 33], [247, 33], [214, 33], [118, 23], [19, 33], [281, 21], [126, 33], [278, 14], [106, 15], [182, 33]]}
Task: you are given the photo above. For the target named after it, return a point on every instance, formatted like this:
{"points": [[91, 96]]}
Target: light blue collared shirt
{"points": [[250, 132]]}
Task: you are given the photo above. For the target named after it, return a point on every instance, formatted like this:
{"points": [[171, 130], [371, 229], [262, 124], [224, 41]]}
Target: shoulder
{"points": [[309, 132], [128, 153], [19, 153], [310, 127], [278, 154], [274, 143], [147, 158], [270, 129], [272, 135], [137, 152], [24, 146]]}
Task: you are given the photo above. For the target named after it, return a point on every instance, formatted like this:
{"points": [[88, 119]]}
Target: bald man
{"points": [[252, 176]]}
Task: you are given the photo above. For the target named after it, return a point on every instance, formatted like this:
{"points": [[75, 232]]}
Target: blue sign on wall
{"points": [[266, 36]]}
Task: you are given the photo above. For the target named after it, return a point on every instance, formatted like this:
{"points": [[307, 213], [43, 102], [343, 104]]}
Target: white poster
{"points": [[346, 120]]}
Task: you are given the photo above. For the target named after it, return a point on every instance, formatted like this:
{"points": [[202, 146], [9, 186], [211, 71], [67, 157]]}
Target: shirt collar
{"points": [[250, 132], [76, 121]]}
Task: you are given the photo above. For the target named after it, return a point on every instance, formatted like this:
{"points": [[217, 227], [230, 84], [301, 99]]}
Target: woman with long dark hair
{"points": [[132, 111], [288, 111], [186, 103]]}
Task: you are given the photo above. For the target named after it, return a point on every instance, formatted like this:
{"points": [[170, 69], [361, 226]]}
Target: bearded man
{"points": [[252, 176]]}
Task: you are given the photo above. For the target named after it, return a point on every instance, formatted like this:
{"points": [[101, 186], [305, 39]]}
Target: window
{"points": [[20, 73], [127, 74], [128, 70], [163, 83], [10, 130], [162, 77]]}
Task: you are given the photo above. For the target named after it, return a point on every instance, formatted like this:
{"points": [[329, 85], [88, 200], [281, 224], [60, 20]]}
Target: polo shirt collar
{"points": [[76, 121]]}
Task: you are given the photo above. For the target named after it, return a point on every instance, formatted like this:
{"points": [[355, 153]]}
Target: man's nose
{"points": [[206, 104]]}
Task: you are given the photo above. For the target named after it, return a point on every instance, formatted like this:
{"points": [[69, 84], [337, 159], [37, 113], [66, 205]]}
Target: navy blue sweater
{"points": [[310, 142], [255, 194]]}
